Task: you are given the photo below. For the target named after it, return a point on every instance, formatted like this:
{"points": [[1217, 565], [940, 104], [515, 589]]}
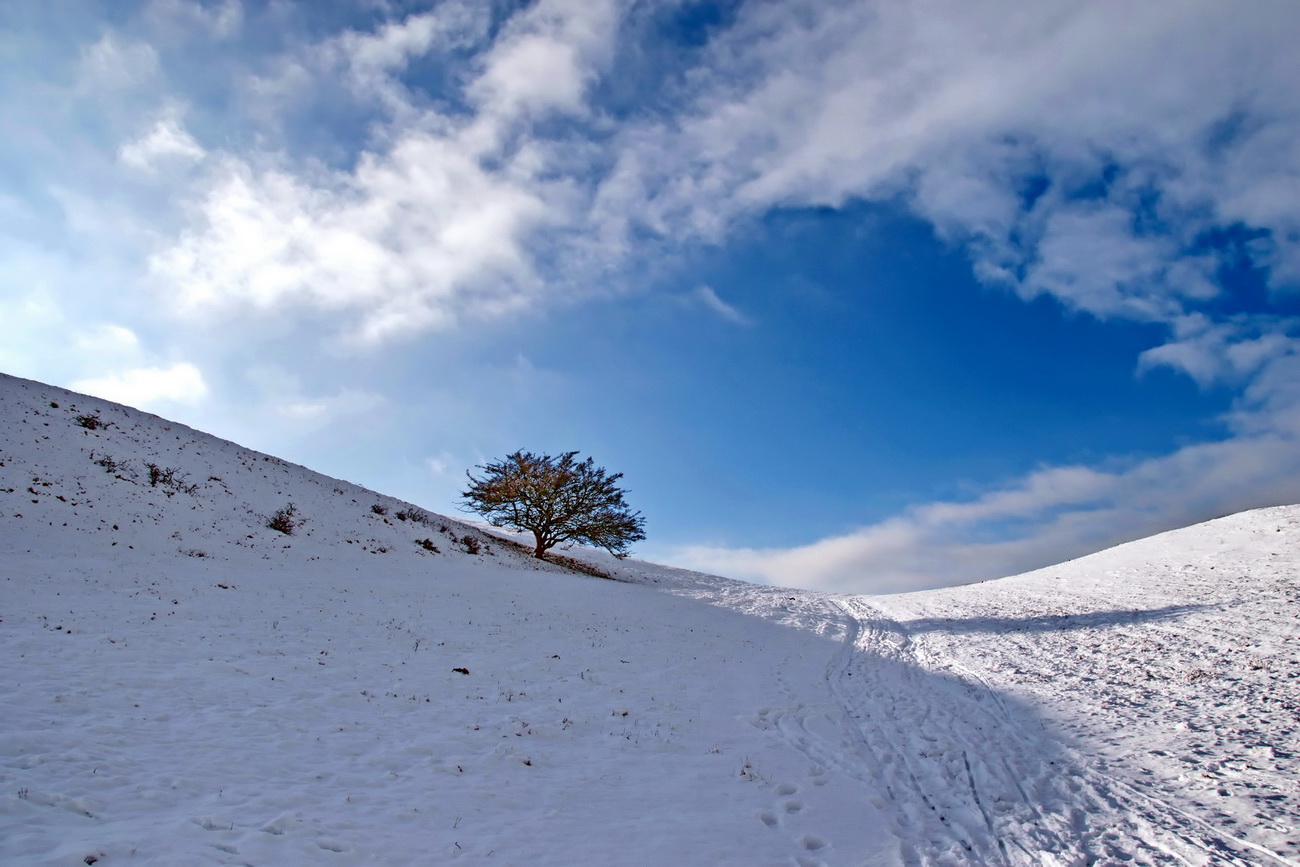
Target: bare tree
{"points": [[557, 499]]}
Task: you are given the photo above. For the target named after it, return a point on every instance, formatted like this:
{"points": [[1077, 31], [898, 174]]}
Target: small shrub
{"points": [[285, 520], [120, 469], [53, 405], [427, 544], [91, 421], [110, 464], [414, 515], [170, 479], [471, 544], [378, 509]]}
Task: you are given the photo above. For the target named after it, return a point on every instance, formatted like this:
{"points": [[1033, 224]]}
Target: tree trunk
{"points": [[538, 551]]}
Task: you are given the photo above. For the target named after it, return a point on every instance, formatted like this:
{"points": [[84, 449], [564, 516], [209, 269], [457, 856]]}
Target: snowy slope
{"points": [[184, 685], [1175, 660], [297, 699]]}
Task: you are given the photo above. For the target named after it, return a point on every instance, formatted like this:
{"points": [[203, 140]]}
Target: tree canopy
{"points": [[557, 499]]}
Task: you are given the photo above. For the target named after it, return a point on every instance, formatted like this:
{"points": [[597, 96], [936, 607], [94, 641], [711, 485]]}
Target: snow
{"points": [[1175, 661], [183, 685]]}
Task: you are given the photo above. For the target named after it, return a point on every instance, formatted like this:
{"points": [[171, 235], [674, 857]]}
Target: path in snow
{"points": [[976, 776], [1173, 659], [965, 770]]}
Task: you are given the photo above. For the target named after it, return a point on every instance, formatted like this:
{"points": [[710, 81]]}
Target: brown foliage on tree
{"points": [[557, 499]]}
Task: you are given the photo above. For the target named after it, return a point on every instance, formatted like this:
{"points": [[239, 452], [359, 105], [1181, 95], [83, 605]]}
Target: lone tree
{"points": [[557, 499]]}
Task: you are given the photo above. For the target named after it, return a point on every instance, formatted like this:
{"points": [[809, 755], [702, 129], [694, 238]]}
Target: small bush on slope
{"points": [[285, 520]]}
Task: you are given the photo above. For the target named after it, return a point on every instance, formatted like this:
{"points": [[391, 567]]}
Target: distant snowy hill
{"points": [[183, 684], [1175, 659]]}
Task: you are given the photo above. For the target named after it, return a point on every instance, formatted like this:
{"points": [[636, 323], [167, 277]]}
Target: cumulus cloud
{"points": [[957, 112], [961, 111], [411, 240], [1224, 352], [436, 224], [167, 140], [148, 387], [547, 58]]}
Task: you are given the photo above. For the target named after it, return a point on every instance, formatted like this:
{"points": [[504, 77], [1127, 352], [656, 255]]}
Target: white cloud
{"points": [[321, 410], [546, 58], [146, 387], [371, 63], [1090, 258], [444, 464], [709, 298], [221, 21], [410, 241], [1229, 352], [956, 109], [107, 342], [167, 140], [434, 225], [280, 393], [1043, 518], [115, 64]]}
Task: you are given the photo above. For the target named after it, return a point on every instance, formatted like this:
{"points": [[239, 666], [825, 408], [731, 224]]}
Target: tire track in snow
{"points": [[968, 780]]}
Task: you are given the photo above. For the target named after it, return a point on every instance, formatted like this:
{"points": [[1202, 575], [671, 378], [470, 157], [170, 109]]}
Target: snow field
{"points": [[183, 684], [293, 717], [1173, 661]]}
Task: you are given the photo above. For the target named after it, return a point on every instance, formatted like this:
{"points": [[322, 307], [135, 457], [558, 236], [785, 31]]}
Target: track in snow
{"points": [[968, 777]]}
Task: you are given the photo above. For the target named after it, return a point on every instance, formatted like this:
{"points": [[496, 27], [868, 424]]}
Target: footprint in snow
{"points": [[812, 842]]}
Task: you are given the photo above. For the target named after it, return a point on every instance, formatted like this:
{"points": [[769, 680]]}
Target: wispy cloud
{"points": [[706, 296], [1048, 516]]}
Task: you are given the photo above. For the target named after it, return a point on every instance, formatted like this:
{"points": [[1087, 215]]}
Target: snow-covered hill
{"points": [[184, 685], [1175, 660]]}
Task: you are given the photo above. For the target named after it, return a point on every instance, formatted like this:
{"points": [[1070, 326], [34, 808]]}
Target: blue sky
{"points": [[867, 295]]}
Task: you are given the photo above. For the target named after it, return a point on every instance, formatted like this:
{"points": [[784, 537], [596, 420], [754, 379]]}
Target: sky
{"points": [[860, 296]]}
